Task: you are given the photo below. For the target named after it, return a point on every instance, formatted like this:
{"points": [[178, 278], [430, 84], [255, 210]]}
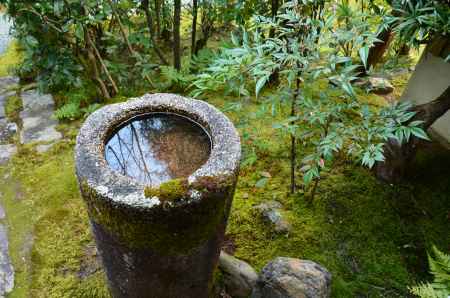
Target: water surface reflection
{"points": [[158, 147]]}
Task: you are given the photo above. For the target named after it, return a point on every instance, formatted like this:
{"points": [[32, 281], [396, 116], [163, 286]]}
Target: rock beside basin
{"points": [[293, 278]]}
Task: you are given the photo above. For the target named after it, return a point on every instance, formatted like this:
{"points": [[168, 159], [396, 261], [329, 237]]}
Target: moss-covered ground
{"points": [[373, 237]]}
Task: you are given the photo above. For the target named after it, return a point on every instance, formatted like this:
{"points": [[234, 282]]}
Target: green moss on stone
{"points": [[169, 191]]}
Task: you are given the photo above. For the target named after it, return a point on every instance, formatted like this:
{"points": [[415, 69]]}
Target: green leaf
{"points": [[79, 32], [419, 133], [261, 182], [364, 54], [31, 41], [260, 84]]}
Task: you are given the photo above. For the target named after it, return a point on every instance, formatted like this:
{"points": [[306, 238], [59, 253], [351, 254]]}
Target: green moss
{"points": [[169, 191], [48, 226], [9, 59], [13, 107], [371, 236]]}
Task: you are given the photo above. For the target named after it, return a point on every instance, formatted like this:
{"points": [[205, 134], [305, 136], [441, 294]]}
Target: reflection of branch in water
{"points": [[133, 130], [131, 153], [121, 153], [124, 171]]}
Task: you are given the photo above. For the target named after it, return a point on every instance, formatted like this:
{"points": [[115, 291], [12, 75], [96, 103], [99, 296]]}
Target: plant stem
{"points": [[314, 189], [293, 138]]}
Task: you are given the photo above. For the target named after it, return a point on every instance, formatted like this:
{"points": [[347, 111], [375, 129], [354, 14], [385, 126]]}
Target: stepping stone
{"points": [[6, 152], [38, 124], [8, 82], [39, 129], [34, 102], [6, 268]]}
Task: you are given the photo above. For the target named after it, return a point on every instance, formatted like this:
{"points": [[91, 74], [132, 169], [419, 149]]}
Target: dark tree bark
{"points": [[207, 27], [274, 9], [399, 156], [194, 26], [158, 18], [148, 15], [176, 35], [377, 51], [404, 50]]}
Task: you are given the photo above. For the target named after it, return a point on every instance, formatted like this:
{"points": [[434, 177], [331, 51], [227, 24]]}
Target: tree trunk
{"points": [[102, 63], [148, 15], [158, 18], [176, 35], [207, 27], [194, 26], [398, 156], [274, 10], [377, 51]]}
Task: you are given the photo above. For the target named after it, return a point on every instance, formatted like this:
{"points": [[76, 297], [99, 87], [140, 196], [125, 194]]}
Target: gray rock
{"points": [[271, 211], [6, 268], [39, 130], [43, 148], [2, 210], [380, 85], [38, 124], [292, 278], [8, 82], [6, 152], [239, 277], [34, 102], [7, 131]]}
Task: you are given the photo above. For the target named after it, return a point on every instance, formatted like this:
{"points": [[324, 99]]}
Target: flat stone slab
{"points": [[39, 129], [38, 124], [6, 268], [6, 152], [34, 102], [8, 82]]}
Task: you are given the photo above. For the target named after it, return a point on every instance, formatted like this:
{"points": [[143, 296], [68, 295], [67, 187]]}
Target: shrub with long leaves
{"points": [[315, 84]]}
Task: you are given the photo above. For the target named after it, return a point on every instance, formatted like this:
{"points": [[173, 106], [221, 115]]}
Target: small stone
{"points": [[43, 148], [380, 86], [239, 277], [292, 278], [271, 211], [6, 152], [7, 130], [266, 174]]}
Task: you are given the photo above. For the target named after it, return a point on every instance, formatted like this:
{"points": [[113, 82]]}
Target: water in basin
{"points": [[158, 147]]}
